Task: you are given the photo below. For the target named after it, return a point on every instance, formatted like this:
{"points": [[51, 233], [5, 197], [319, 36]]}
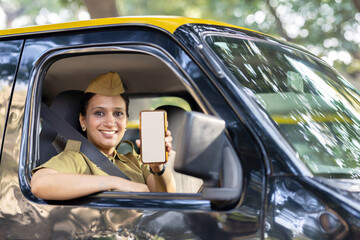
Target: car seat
{"points": [[67, 105]]}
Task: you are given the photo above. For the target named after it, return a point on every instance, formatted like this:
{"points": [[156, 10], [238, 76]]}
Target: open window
{"points": [[148, 81], [152, 81]]}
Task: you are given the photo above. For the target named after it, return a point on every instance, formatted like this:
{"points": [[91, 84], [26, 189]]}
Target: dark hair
{"points": [[84, 102]]}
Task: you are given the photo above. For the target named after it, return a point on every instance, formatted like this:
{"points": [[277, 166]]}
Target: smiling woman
{"points": [[104, 122], [104, 112], [103, 116]]}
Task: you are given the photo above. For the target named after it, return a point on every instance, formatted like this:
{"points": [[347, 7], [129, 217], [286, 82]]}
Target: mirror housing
{"points": [[197, 152], [204, 151]]}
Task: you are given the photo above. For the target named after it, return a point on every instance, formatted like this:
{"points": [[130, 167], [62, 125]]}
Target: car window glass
{"points": [[316, 110]]}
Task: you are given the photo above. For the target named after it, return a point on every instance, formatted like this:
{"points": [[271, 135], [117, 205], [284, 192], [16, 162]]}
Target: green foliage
{"points": [[41, 11], [325, 27]]}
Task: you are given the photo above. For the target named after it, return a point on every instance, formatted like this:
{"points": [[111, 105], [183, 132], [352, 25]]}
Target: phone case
{"points": [[153, 126]]}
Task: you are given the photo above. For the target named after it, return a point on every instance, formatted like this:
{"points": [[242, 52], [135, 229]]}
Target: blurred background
{"points": [[328, 28]]}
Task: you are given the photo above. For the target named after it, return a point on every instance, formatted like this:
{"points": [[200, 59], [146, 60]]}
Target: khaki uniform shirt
{"points": [[71, 160]]}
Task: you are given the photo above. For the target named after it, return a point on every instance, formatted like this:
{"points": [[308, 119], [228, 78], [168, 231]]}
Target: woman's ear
{"points": [[82, 122]]}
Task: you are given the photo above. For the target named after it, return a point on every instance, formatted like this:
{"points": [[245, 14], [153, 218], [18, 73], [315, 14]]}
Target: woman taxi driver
{"points": [[104, 116]]}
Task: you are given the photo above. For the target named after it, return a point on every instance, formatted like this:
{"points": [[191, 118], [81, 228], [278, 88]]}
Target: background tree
{"points": [[101, 9]]}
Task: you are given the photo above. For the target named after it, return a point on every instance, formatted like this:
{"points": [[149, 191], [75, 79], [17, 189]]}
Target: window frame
{"points": [[30, 139], [10, 83]]}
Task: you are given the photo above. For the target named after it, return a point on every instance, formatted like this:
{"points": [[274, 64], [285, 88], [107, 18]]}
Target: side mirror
{"points": [[199, 139], [204, 151]]}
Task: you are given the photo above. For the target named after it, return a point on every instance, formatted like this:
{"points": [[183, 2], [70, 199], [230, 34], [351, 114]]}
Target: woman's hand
{"points": [[168, 141]]}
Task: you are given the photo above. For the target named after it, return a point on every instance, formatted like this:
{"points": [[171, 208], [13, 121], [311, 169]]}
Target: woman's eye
{"points": [[118, 114], [99, 113]]}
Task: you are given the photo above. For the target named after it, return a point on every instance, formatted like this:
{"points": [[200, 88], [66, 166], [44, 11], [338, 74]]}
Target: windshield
{"points": [[316, 110]]}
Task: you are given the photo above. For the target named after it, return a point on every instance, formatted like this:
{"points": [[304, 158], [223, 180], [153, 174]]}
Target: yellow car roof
{"points": [[168, 23]]}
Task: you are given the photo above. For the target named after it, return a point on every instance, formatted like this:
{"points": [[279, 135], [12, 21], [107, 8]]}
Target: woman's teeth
{"points": [[108, 132]]}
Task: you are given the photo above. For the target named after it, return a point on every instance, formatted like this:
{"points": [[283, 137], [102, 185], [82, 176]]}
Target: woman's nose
{"points": [[110, 121]]}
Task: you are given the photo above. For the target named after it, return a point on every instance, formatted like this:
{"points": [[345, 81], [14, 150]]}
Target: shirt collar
{"points": [[113, 157], [116, 156]]}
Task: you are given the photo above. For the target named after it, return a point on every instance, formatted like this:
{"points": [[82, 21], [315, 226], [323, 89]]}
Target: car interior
{"points": [[148, 81]]}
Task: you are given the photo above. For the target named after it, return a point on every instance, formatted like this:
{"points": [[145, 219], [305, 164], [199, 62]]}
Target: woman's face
{"points": [[105, 122]]}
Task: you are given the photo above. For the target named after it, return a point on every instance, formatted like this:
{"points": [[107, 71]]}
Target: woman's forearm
{"points": [[163, 183], [51, 185]]}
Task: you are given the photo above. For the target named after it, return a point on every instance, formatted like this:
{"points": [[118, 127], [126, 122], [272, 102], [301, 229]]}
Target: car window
{"points": [[62, 91], [9, 58], [316, 110]]}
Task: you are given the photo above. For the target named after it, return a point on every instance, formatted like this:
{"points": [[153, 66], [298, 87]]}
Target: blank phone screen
{"points": [[152, 134]]}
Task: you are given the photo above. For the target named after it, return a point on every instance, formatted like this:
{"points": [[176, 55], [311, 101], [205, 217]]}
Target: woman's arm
{"points": [[163, 183], [49, 184]]}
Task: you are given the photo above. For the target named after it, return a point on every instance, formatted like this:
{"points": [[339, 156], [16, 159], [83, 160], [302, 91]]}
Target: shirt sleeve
{"points": [[66, 162]]}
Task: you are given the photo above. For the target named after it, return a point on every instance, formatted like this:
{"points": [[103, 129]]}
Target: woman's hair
{"points": [[84, 102]]}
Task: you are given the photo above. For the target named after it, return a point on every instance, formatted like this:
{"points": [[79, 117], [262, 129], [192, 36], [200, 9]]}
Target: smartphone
{"points": [[153, 126]]}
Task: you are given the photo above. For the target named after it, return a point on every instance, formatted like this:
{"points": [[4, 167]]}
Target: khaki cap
{"points": [[108, 84]]}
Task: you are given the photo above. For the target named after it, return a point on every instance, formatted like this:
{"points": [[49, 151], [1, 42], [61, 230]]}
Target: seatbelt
{"points": [[68, 131]]}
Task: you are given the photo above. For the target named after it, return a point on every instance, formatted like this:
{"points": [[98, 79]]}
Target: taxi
{"points": [[266, 134]]}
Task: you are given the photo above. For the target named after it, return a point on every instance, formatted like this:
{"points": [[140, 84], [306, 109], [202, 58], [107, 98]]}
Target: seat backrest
{"points": [[67, 105]]}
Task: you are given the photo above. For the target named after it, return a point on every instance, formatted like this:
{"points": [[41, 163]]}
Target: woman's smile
{"points": [[108, 132]]}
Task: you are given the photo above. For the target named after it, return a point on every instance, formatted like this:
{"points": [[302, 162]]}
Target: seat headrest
{"points": [[67, 105], [174, 116]]}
